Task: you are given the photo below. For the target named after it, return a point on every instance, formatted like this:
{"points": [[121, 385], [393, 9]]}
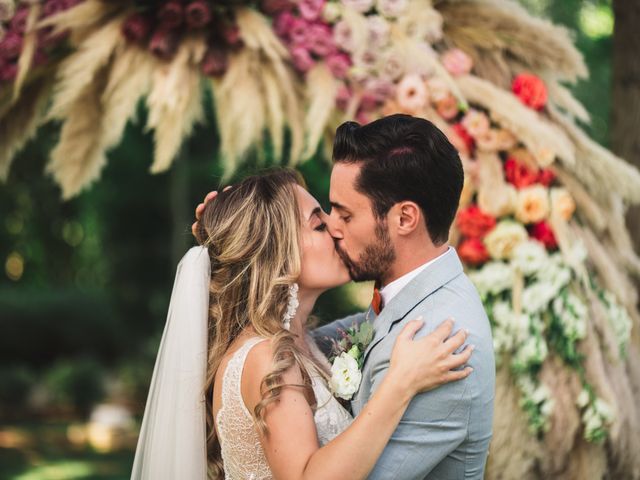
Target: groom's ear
{"points": [[407, 216]]}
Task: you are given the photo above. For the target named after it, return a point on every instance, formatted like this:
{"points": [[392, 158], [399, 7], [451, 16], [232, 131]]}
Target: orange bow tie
{"points": [[376, 301]]}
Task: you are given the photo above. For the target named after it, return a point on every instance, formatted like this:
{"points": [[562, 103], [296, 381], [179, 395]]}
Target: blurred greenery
{"points": [[86, 283]]}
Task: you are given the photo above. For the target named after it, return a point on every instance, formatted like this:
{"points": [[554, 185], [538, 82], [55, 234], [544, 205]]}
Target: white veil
{"points": [[172, 442]]}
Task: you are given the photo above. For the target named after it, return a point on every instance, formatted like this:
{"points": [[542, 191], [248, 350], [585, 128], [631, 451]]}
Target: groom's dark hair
{"points": [[405, 158]]}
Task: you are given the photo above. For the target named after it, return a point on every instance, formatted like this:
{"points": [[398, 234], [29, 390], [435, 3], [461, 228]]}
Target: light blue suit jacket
{"points": [[445, 432]]}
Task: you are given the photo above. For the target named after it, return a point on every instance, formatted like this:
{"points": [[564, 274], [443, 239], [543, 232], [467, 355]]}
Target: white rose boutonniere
{"points": [[346, 370]]}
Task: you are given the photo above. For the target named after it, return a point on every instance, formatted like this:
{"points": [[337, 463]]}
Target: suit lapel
{"points": [[428, 281]]}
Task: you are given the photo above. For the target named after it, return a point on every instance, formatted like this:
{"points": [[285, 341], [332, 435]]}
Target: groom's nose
{"points": [[332, 227]]}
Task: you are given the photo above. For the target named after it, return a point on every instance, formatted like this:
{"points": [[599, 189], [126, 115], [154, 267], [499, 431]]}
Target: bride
{"points": [[239, 389]]}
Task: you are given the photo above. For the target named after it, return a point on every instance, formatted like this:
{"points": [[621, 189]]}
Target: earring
{"points": [[292, 306]]}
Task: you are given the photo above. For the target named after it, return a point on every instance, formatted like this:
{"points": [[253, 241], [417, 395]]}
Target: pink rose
{"points": [[321, 40], [298, 33], [283, 24], [343, 36], [457, 62], [311, 9], [339, 64], [198, 14], [302, 59]]}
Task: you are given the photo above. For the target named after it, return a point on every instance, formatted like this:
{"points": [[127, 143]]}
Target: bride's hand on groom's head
{"points": [[429, 362], [200, 208]]}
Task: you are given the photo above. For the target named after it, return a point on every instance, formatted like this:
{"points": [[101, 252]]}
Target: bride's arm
{"points": [[291, 446]]}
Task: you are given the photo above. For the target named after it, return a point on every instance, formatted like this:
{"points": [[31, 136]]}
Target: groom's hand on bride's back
{"points": [[200, 208]]}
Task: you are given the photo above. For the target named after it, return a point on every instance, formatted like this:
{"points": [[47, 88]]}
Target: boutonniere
{"points": [[348, 359]]}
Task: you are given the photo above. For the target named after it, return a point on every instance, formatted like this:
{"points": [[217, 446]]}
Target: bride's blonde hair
{"points": [[252, 233]]}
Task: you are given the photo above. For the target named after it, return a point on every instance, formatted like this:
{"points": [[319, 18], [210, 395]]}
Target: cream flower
{"points": [[500, 201], [533, 204], [501, 241], [412, 94], [392, 8], [544, 156], [438, 89], [332, 12], [529, 257], [361, 6], [345, 376], [562, 203], [476, 123]]}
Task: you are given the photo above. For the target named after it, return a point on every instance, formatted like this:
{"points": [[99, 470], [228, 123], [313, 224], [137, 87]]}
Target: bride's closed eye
{"points": [[321, 228]]}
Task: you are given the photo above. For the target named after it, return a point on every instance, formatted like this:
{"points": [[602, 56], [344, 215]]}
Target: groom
{"points": [[395, 189]]}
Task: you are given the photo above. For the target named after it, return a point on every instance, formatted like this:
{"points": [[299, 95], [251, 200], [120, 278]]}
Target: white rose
{"points": [[345, 376], [332, 12], [493, 278]]}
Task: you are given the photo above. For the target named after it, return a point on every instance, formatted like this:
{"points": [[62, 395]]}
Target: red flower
{"points": [[464, 135], [136, 28], [473, 252], [474, 223], [11, 45], [164, 43], [531, 90], [546, 177], [543, 233], [171, 15], [518, 174], [198, 14], [215, 62]]}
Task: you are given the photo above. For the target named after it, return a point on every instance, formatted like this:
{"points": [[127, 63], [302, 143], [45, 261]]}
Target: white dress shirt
{"points": [[391, 290]]}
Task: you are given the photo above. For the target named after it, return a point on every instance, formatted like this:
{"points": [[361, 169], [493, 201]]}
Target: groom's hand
{"points": [[200, 208]]}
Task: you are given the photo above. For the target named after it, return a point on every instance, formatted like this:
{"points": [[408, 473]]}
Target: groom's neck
{"points": [[409, 257]]}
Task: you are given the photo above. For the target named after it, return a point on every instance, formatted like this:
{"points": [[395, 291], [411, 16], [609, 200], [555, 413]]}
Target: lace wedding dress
{"points": [[242, 452]]}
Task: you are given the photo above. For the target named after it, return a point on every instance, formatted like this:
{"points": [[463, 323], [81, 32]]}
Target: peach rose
{"points": [[476, 123], [500, 201], [501, 241], [412, 94], [533, 204], [447, 108], [562, 203]]}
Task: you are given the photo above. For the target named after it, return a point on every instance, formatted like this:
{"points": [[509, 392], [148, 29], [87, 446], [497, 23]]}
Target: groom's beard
{"points": [[376, 259]]}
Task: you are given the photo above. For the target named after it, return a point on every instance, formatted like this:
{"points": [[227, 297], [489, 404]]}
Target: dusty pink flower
{"points": [[198, 14], [321, 40], [411, 94], [164, 43], [378, 31], [380, 89], [171, 14], [11, 45], [231, 35], [339, 64], [51, 7], [302, 59], [215, 62], [136, 28], [476, 123], [457, 62], [19, 20], [343, 97], [311, 9], [447, 107]]}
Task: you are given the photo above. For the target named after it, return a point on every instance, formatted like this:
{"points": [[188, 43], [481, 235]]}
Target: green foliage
{"points": [[77, 383]]}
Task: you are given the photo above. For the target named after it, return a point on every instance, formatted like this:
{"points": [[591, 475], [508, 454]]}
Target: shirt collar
{"points": [[392, 289]]}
